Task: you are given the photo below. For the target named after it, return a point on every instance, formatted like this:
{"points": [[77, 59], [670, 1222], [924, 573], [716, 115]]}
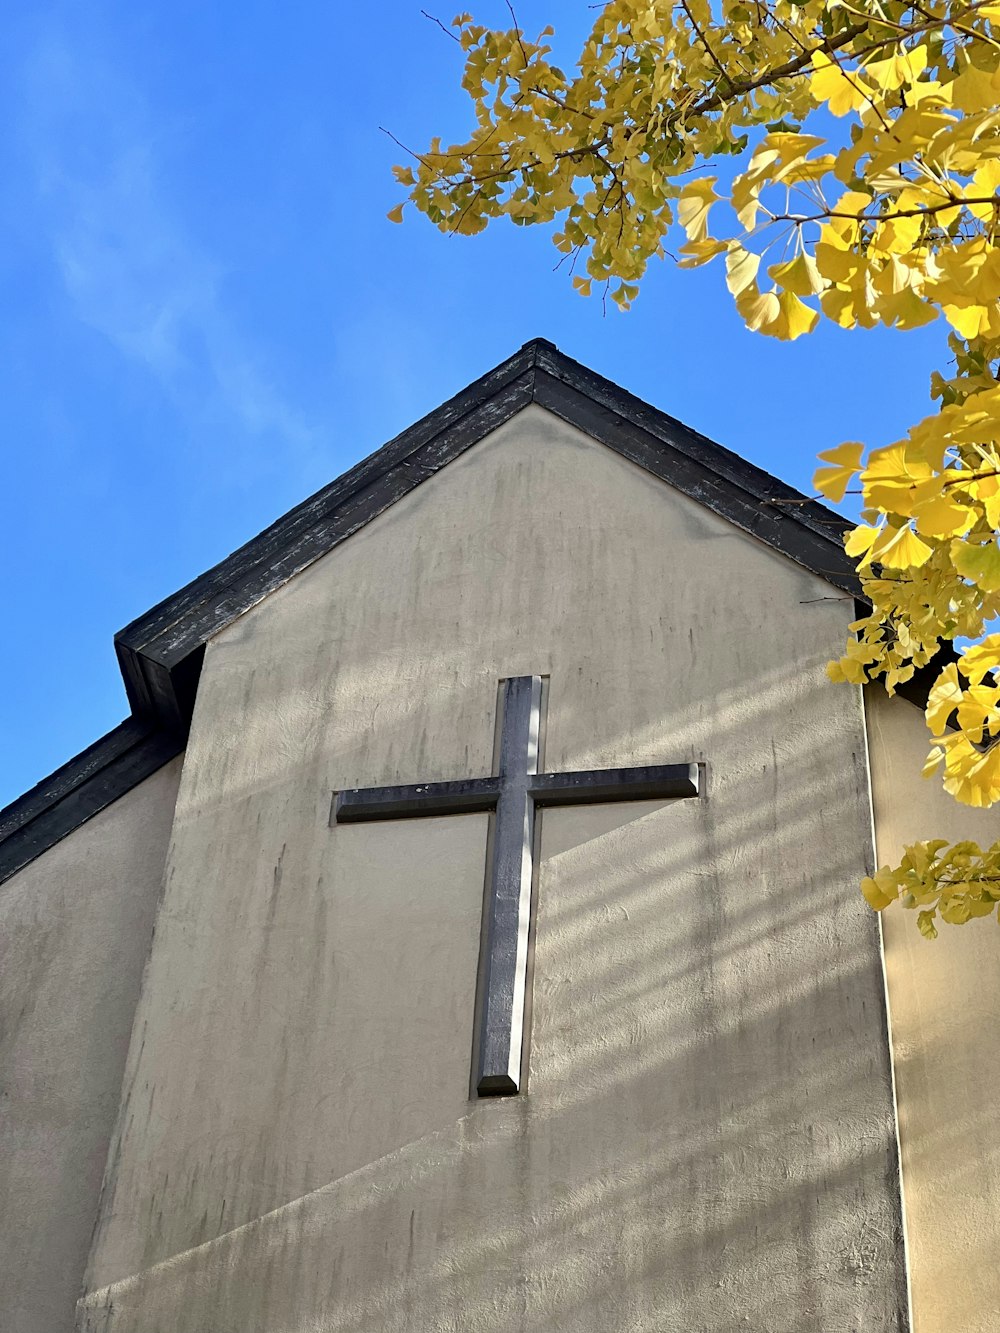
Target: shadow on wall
{"points": [[707, 1141]]}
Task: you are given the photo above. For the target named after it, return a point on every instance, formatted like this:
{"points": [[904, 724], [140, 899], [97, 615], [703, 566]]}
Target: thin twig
{"points": [[444, 27], [561, 101], [517, 33], [400, 144]]}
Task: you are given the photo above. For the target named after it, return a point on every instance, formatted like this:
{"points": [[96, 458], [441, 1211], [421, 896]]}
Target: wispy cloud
{"points": [[129, 263]]}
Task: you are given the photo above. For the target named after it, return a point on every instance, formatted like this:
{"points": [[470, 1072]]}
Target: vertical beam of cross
{"points": [[512, 794], [508, 910]]}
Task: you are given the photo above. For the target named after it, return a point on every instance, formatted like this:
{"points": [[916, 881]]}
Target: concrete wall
{"points": [[75, 927], [944, 1000], [707, 1140]]}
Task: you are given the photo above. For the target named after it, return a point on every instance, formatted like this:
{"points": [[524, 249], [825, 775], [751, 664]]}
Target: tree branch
{"points": [[923, 211], [446, 30], [739, 88]]}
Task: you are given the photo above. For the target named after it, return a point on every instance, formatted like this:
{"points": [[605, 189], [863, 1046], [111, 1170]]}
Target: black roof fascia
{"points": [[745, 495], [160, 652], [80, 789]]}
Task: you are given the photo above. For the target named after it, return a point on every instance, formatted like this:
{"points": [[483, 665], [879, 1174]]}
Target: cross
{"points": [[511, 796]]}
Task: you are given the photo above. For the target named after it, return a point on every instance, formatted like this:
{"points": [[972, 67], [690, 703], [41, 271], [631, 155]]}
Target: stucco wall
{"points": [[75, 928], [707, 1139], [944, 1001]]}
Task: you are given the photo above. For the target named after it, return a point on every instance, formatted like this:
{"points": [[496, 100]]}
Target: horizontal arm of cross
{"points": [[584, 787], [595, 786], [419, 798]]}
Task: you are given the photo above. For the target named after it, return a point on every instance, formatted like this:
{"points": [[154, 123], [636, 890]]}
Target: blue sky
{"points": [[206, 315]]}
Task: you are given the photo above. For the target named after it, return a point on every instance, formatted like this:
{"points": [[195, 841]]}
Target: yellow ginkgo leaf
{"points": [[928, 90], [836, 263], [741, 268], [942, 701], [987, 492], [956, 910], [860, 541], [841, 90], [843, 463], [943, 516], [760, 310], [838, 306], [901, 548], [897, 235], [985, 182], [793, 319], [696, 253], [971, 776], [974, 88], [745, 199], [968, 321], [799, 275], [847, 669], [893, 278], [881, 889], [978, 715], [980, 564], [897, 479], [933, 762], [695, 200], [906, 310], [925, 924], [981, 658], [899, 69]]}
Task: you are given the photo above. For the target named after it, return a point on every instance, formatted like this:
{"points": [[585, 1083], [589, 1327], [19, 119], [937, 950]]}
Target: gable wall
{"points": [[707, 1140], [944, 1000], [75, 928]]}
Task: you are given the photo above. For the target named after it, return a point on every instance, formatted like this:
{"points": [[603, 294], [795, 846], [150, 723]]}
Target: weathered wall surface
{"points": [[707, 1140], [944, 998], [75, 927]]}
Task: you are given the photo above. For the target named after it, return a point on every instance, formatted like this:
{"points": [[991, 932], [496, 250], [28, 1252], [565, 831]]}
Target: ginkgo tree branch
{"points": [[967, 477], [924, 210], [797, 65]]}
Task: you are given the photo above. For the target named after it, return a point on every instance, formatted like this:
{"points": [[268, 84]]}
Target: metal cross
{"points": [[513, 793]]}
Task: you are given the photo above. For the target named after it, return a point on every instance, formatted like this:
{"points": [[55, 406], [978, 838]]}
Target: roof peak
{"points": [[160, 652]]}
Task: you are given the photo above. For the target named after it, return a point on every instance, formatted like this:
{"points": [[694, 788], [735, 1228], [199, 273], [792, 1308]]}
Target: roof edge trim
{"points": [[80, 789]]}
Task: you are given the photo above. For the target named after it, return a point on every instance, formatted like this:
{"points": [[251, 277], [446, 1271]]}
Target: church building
{"points": [[463, 933]]}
